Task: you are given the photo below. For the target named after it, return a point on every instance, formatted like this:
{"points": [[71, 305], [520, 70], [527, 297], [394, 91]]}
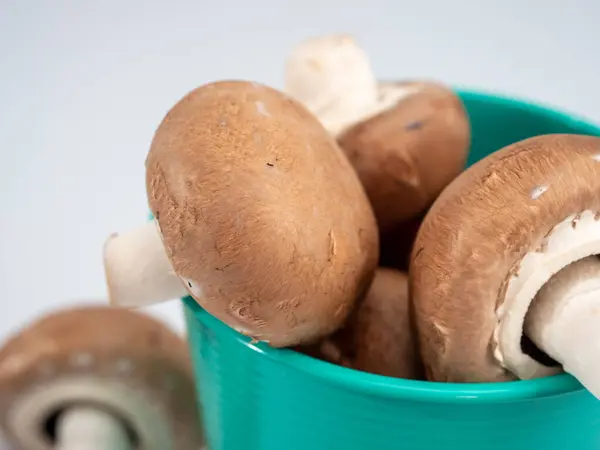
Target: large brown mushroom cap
{"points": [[123, 361], [379, 336], [261, 214], [473, 241], [407, 154]]}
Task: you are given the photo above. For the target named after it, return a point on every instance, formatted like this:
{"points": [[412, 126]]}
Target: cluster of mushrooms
{"points": [[337, 218]]}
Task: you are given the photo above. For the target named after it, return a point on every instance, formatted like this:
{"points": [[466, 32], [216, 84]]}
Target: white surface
{"points": [[84, 84]]}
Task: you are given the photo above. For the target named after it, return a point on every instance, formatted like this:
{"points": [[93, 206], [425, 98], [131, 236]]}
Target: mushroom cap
{"points": [[474, 237], [120, 360], [379, 337], [408, 153], [261, 214]]}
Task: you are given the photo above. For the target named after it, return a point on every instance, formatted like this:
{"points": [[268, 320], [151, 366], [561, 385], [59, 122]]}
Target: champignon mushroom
{"points": [[98, 378], [486, 251], [406, 140], [259, 217], [378, 337]]}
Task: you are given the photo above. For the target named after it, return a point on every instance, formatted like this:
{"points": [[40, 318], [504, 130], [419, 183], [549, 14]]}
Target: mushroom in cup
{"points": [[507, 257], [378, 337], [98, 378], [259, 216], [406, 140]]}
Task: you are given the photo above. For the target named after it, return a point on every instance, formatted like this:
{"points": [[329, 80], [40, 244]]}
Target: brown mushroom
{"points": [[487, 248], [263, 220], [98, 378], [406, 140], [379, 337]]}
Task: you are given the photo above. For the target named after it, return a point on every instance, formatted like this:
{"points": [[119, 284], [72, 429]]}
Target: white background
{"points": [[83, 85]]}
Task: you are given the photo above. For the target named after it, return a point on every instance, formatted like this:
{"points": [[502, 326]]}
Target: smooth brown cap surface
{"points": [[261, 212], [476, 233], [106, 344], [406, 155], [379, 337]]}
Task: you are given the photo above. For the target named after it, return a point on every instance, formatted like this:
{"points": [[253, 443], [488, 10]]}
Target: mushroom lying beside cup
{"points": [[378, 337], [406, 140], [505, 257], [259, 216], [98, 378]]}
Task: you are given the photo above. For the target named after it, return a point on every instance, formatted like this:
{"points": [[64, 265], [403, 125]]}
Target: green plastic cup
{"points": [[255, 397]]}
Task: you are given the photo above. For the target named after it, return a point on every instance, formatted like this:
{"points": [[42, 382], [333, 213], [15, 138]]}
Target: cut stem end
{"points": [[138, 271], [89, 428]]}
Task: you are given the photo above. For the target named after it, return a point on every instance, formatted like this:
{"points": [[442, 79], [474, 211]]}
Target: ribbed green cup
{"points": [[258, 398]]}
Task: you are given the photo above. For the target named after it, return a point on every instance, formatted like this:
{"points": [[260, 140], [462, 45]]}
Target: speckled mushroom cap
{"points": [[123, 361], [408, 153], [261, 214], [379, 337], [490, 242]]}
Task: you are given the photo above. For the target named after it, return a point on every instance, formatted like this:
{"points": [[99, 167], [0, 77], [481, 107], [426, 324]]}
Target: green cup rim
{"points": [[394, 388], [414, 390], [585, 125]]}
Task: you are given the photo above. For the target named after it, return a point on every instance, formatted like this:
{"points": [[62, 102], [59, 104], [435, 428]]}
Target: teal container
{"points": [[255, 397]]}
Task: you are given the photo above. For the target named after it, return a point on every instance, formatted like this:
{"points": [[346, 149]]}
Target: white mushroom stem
{"points": [[138, 271], [89, 428], [564, 321], [333, 78]]}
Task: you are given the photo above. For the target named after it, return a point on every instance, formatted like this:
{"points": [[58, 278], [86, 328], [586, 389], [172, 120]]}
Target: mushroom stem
{"points": [[89, 428], [563, 321], [138, 271], [333, 78]]}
